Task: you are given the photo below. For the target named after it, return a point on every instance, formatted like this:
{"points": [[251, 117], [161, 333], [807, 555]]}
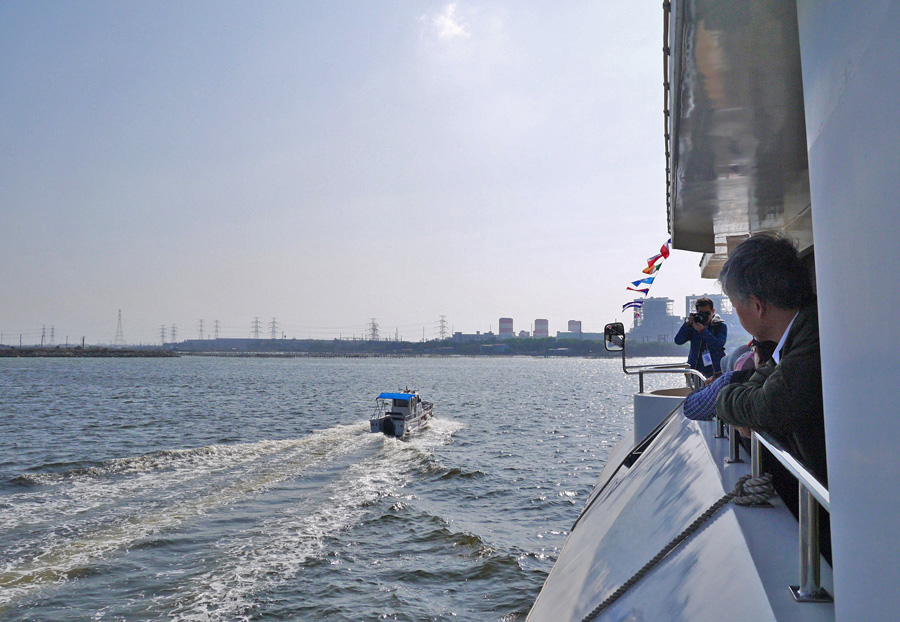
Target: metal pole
{"points": [[810, 589], [720, 428], [755, 457], [734, 445]]}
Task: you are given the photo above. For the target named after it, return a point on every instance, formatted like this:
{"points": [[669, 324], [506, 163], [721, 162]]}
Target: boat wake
{"points": [[280, 546], [54, 534], [65, 525]]}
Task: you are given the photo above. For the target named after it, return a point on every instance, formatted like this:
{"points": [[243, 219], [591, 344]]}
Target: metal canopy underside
{"points": [[738, 136]]}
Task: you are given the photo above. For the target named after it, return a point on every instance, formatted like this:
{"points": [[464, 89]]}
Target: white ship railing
{"points": [[812, 496], [678, 368]]}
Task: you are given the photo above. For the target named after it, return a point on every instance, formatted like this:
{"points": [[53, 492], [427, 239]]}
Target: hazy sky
{"points": [[324, 163]]}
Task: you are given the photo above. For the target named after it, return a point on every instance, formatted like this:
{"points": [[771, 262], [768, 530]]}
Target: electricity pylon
{"points": [[119, 339]]}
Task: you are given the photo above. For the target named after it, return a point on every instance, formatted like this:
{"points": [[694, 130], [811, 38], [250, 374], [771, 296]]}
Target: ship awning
{"points": [[395, 396]]}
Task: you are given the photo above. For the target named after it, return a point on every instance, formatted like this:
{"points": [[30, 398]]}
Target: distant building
{"points": [[506, 328], [541, 328], [523, 334], [478, 337], [655, 321], [574, 326]]}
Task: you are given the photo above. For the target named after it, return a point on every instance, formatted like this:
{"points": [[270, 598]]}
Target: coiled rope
{"points": [[747, 491]]}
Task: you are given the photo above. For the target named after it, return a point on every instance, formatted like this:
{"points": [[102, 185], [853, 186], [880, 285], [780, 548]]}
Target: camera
{"points": [[700, 317]]}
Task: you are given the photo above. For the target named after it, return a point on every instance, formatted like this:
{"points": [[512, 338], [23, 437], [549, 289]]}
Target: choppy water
{"points": [[251, 489]]}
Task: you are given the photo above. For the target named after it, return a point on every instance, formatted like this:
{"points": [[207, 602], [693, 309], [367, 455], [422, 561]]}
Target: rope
{"points": [[747, 491]]}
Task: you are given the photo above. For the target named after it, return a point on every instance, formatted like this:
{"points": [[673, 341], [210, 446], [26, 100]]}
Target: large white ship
{"points": [[779, 116]]}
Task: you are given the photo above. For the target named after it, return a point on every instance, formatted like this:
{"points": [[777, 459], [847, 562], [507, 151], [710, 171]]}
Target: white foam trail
{"points": [[282, 544], [85, 490], [62, 556]]}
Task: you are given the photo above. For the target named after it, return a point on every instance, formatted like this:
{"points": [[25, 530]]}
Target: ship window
{"points": [[401, 403]]}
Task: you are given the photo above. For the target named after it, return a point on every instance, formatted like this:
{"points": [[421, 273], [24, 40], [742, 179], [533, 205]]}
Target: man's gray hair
{"points": [[767, 266]]}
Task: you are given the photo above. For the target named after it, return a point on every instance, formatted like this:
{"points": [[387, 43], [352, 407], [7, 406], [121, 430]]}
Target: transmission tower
{"points": [[119, 339], [43, 334], [373, 329], [174, 333], [162, 334], [443, 325], [216, 329], [52, 335], [254, 328], [200, 329], [273, 328]]}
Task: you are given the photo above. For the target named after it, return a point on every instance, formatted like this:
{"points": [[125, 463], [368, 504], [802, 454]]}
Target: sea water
{"points": [[204, 488]]}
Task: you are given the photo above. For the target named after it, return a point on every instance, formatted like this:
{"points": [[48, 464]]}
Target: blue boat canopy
{"points": [[395, 396]]}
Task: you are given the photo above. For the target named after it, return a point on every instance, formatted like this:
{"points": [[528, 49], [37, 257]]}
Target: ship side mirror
{"points": [[614, 337]]}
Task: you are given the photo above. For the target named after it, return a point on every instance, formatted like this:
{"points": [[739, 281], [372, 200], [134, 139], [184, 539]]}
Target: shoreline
{"points": [[79, 352]]}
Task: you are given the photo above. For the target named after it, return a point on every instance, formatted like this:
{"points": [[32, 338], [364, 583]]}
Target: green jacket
{"points": [[785, 400]]}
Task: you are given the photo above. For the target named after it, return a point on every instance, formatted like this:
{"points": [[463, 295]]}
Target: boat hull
{"points": [[400, 426]]}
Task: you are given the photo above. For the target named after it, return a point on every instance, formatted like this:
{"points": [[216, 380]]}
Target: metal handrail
{"points": [[640, 370], [666, 369], [804, 477], [812, 494]]}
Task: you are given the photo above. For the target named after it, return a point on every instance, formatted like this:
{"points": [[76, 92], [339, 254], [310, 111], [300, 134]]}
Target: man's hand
{"points": [[699, 327]]}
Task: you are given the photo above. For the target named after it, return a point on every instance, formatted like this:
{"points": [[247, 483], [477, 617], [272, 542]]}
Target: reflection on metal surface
{"points": [[738, 137]]}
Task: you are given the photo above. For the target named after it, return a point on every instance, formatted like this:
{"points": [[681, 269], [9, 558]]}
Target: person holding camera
{"points": [[707, 334]]}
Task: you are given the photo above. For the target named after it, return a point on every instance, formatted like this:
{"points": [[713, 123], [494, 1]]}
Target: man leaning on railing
{"points": [[773, 298]]}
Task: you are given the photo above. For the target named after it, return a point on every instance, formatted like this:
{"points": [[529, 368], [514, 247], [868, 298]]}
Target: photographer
{"points": [[707, 333]]}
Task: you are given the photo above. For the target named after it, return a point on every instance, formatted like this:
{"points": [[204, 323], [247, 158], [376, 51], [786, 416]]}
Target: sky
{"points": [[321, 164]]}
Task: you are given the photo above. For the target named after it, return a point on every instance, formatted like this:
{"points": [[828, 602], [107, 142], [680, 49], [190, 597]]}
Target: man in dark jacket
{"points": [[708, 334], [773, 298]]}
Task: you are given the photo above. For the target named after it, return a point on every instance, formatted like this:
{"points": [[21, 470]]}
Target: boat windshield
{"points": [[401, 403]]}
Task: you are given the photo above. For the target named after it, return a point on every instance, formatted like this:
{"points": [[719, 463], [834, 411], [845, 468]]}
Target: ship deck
{"points": [[738, 565]]}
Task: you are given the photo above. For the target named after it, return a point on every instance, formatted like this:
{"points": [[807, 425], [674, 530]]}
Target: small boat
{"points": [[399, 414]]}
